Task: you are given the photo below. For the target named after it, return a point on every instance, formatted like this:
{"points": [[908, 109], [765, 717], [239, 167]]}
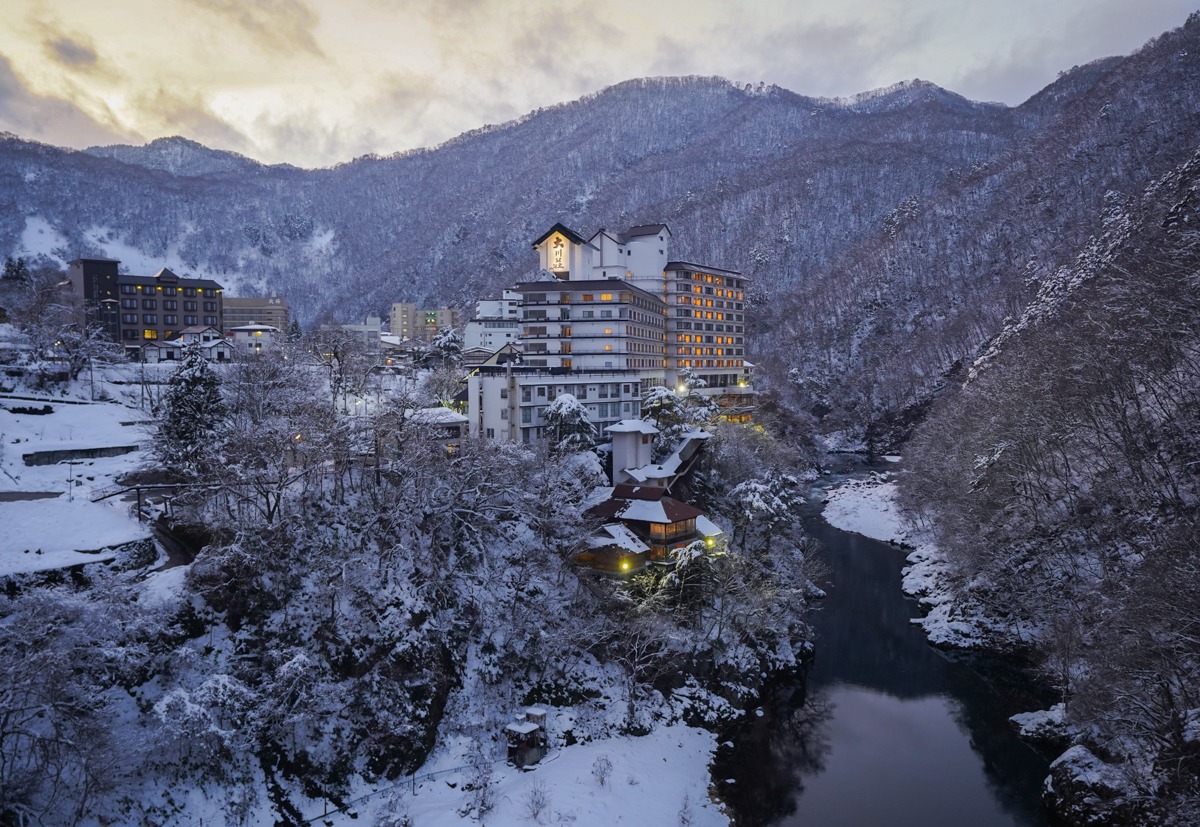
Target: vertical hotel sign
{"points": [[558, 254]]}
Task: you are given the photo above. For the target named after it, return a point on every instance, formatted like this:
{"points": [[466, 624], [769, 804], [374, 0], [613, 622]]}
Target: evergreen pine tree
{"points": [[447, 345], [567, 425], [15, 270], [192, 410]]}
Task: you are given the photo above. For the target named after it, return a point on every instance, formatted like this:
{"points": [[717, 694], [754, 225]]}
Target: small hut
{"points": [[527, 738]]}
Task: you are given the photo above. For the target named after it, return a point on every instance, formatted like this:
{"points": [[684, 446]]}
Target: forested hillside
{"points": [[879, 328], [1064, 487]]}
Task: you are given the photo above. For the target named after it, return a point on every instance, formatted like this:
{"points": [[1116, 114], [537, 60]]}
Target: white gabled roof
{"points": [[632, 426], [254, 326], [523, 728]]}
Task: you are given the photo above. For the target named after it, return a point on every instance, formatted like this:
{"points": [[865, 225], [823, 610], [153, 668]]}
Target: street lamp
{"points": [[107, 307]]}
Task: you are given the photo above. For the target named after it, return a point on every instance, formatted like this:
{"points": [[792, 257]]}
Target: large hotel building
{"points": [[610, 317], [137, 309]]}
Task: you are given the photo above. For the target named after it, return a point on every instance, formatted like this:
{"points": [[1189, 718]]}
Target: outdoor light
{"points": [[708, 541], [625, 565]]}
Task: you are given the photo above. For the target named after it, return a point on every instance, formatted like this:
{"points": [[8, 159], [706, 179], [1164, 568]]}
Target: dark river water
{"points": [[884, 729]]}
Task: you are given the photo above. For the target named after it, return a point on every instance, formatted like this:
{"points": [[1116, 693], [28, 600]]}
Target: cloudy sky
{"points": [[315, 82]]}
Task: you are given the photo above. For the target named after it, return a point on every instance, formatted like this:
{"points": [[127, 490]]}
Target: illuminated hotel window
{"points": [[149, 334]]}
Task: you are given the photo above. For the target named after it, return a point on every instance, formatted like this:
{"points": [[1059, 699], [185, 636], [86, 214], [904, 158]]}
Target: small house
{"points": [[661, 522], [254, 337], [526, 737], [158, 350]]}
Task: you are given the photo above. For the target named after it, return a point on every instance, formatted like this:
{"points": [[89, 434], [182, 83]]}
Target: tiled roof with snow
{"points": [[438, 416], [692, 267], [615, 534], [254, 326], [707, 528], [645, 505], [644, 229], [570, 234]]}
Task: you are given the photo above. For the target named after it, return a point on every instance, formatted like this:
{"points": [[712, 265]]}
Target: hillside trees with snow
{"points": [[1062, 482]]}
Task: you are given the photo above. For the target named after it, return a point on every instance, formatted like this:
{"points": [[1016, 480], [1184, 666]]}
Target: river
{"points": [[884, 730]]}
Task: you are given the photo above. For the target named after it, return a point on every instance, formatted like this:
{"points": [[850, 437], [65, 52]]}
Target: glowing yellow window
{"points": [[149, 334], [606, 297]]}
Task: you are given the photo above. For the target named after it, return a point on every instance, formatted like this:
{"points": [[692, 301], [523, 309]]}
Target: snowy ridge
{"points": [[901, 94]]}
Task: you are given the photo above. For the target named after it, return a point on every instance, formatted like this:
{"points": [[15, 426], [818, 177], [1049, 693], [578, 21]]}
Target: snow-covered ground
{"points": [[658, 779], [867, 507], [49, 533], [69, 427], [652, 781]]}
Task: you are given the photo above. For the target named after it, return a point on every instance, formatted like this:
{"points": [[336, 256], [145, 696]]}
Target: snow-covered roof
{"points": [[615, 534], [632, 426], [649, 472], [562, 229], [523, 727], [438, 416], [645, 505], [253, 326], [596, 496], [644, 229], [669, 467], [707, 528]]}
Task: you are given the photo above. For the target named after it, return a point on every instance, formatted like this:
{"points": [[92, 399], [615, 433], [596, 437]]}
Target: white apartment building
{"points": [[497, 323], [254, 338], [508, 403], [411, 322]]}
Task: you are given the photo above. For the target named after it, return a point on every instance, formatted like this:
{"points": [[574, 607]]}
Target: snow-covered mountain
{"points": [[892, 232]]}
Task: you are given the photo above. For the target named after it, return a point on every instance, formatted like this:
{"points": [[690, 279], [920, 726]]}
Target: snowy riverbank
{"points": [[868, 507]]}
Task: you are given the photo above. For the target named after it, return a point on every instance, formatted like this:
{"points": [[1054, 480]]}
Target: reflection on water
{"points": [[885, 730], [896, 762]]}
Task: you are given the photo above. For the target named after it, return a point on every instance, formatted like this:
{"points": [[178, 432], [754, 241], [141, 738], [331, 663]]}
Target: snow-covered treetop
{"points": [[567, 409]]}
